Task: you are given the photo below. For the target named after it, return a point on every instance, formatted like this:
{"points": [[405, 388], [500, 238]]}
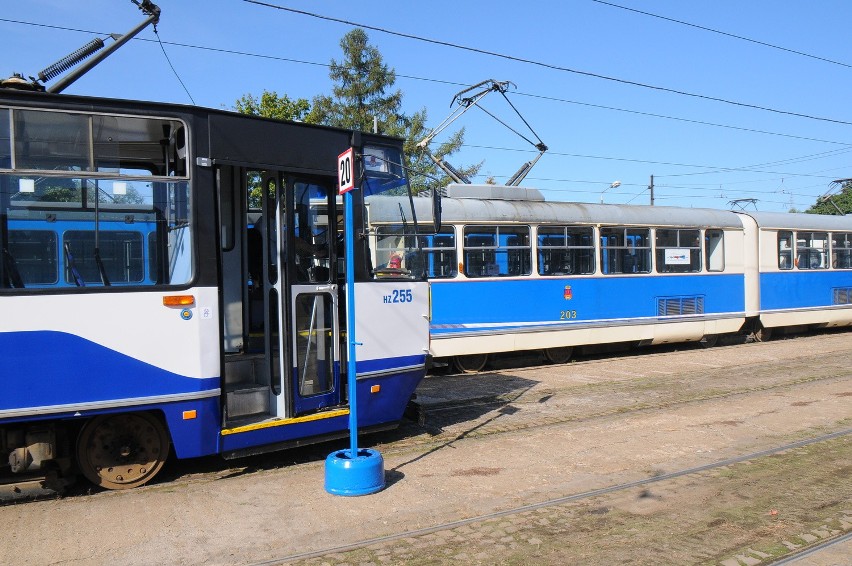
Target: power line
{"points": [[679, 119], [716, 169], [740, 37], [441, 81], [548, 65]]}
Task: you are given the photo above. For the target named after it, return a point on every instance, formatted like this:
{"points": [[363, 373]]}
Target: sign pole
{"points": [[352, 472]]}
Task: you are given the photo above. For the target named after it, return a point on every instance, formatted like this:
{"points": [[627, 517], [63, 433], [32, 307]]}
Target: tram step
{"points": [[245, 371], [247, 401]]}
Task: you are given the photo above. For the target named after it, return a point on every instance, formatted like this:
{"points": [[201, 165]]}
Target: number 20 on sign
{"points": [[345, 171]]}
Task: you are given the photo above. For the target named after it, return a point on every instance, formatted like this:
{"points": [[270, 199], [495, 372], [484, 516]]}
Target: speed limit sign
{"points": [[345, 171]]}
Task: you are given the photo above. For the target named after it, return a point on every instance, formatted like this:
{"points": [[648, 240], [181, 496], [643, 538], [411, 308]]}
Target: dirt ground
{"points": [[497, 461]]}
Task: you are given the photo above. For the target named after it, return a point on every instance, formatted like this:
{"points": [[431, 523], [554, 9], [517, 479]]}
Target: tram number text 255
{"points": [[399, 296], [567, 315]]}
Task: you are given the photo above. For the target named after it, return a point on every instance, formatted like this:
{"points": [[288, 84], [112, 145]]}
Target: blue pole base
{"points": [[362, 475]]}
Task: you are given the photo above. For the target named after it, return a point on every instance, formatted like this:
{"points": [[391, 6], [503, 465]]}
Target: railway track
{"points": [[573, 498]]}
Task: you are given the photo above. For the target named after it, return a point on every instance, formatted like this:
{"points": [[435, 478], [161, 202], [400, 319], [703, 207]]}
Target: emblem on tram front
{"points": [[567, 294]]}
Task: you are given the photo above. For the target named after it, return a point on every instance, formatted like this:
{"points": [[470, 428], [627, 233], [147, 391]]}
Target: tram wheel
{"points": [[762, 334], [709, 341], [471, 363], [558, 355], [122, 451]]}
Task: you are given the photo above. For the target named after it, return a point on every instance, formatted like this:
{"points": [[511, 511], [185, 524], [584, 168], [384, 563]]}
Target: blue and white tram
{"points": [[799, 270], [512, 272], [145, 307]]}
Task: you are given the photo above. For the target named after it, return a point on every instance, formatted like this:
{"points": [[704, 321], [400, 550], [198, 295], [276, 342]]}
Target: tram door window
{"points": [[566, 250], [678, 251], [625, 250], [315, 323], [841, 250]]}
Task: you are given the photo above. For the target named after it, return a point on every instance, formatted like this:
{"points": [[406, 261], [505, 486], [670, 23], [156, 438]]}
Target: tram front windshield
{"points": [[386, 186]]}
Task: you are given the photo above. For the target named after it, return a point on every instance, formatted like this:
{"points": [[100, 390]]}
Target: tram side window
{"points": [[439, 254], [678, 251], [841, 250], [139, 146], [34, 252], [566, 250], [714, 245], [110, 180], [785, 250], [811, 250], [625, 250], [53, 141], [493, 251], [120, 253]]}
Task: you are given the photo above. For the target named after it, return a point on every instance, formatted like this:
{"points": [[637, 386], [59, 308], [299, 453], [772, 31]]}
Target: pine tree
{"points": [[364, 96]]}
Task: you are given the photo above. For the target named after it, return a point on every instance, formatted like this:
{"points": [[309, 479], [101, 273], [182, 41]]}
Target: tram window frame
{"points": [[494, 251], [122, 253], [714, 250], [435, 254], [785, 250], [36, 259], [841, 250], [810, 256], [670, 245], [615, 252], [575, 259]]}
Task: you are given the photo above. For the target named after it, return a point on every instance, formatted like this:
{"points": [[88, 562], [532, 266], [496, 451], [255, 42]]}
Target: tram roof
{"points": [[504, 208], [800, 221]]}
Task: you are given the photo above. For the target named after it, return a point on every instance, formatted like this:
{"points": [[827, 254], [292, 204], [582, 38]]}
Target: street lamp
{"points": [[614, 185]]}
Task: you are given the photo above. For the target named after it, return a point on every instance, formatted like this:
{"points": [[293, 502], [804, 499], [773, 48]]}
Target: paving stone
{"points": [[758, 553], [748, 560], [731, 562], [790, 545], [808, 537]]}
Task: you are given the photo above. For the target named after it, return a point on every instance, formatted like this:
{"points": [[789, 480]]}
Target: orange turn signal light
{"points": [[375, 388], [178, 300]]}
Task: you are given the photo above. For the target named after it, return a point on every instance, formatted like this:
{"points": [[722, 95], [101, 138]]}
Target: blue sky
{"points": [[702, 153]]}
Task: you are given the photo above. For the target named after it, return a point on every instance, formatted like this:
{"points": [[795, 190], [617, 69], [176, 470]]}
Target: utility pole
{"points": [[651, 188]]}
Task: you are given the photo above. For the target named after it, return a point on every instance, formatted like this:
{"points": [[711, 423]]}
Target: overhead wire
{"points": [[437, 81], [732, 35], [547, 65], [242, 53]]}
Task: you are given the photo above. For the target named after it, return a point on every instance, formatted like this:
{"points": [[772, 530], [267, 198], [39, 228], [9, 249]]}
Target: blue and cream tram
{"points": [[799, 270], [511, 271]]}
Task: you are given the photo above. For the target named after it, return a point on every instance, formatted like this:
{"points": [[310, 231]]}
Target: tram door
{"points": [[315, 341], [302, 294]]}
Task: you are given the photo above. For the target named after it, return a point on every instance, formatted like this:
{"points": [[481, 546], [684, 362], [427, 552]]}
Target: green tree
{"points": [[363, 90], [273, 105], [841, 201], [364, 96]]}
